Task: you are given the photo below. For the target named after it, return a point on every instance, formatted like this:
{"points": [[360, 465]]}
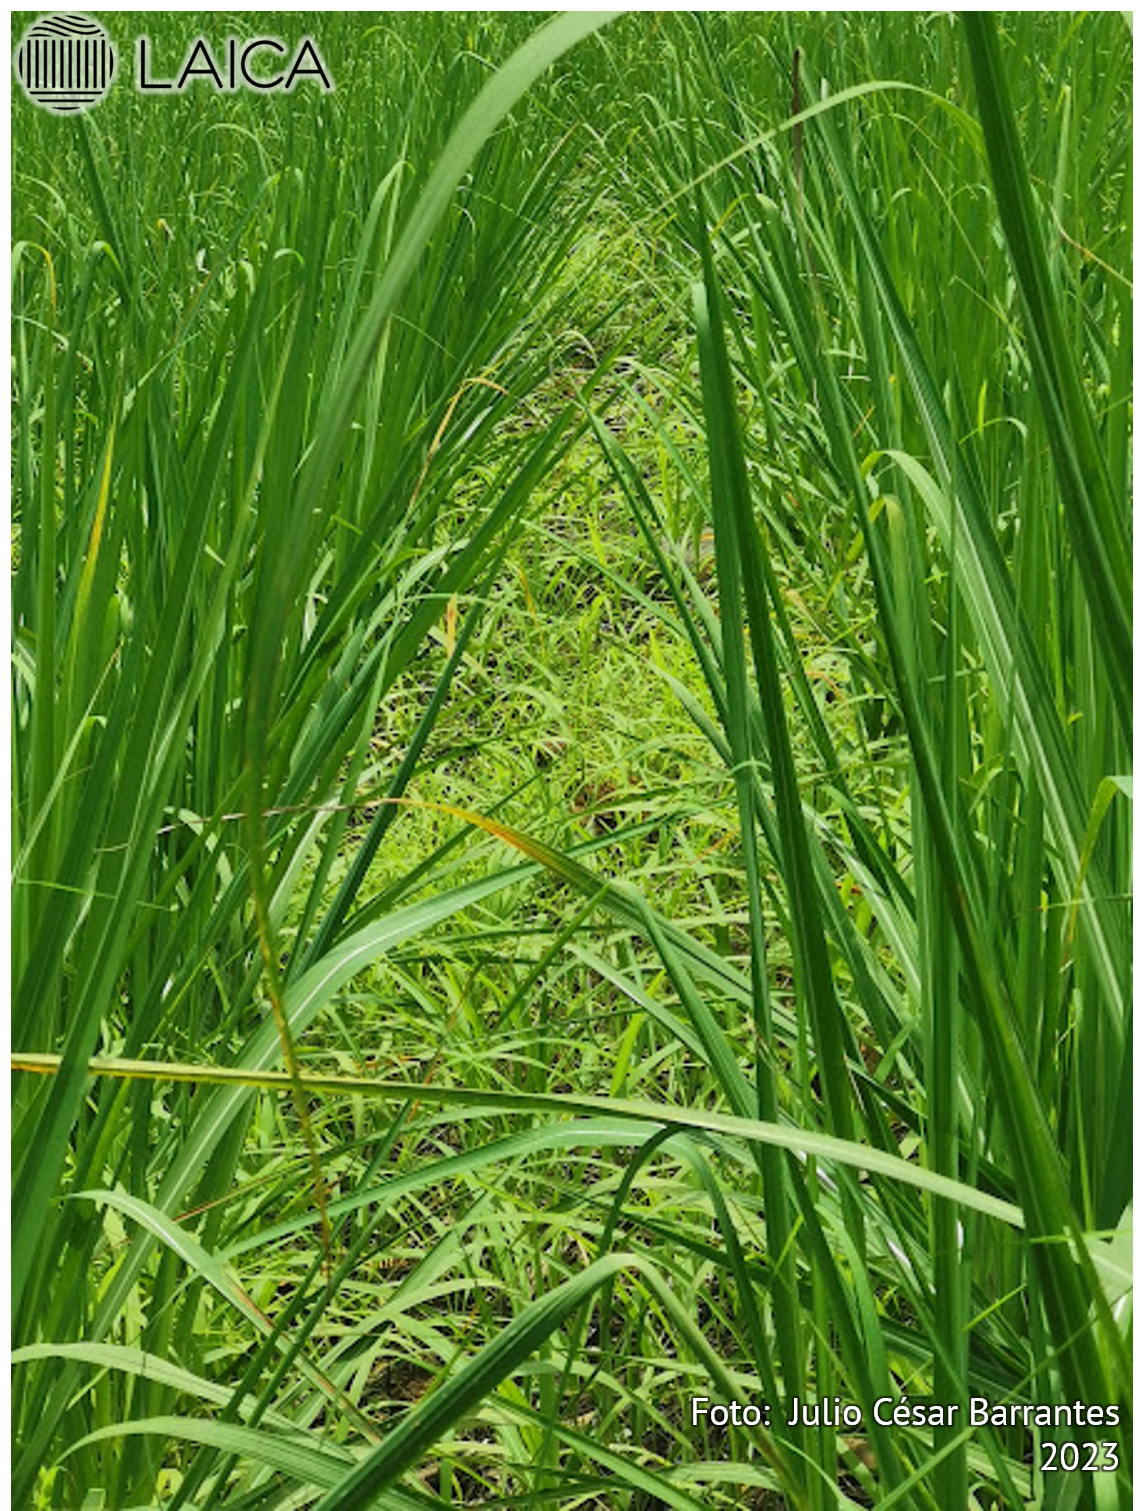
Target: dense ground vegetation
{"points": [[571, 732]]}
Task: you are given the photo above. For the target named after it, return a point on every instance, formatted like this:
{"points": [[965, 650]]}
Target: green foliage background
{"points": [[571, 748]]}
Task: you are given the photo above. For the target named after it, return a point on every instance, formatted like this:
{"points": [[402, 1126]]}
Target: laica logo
{"points": [[241, 66], [67, 62]]}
